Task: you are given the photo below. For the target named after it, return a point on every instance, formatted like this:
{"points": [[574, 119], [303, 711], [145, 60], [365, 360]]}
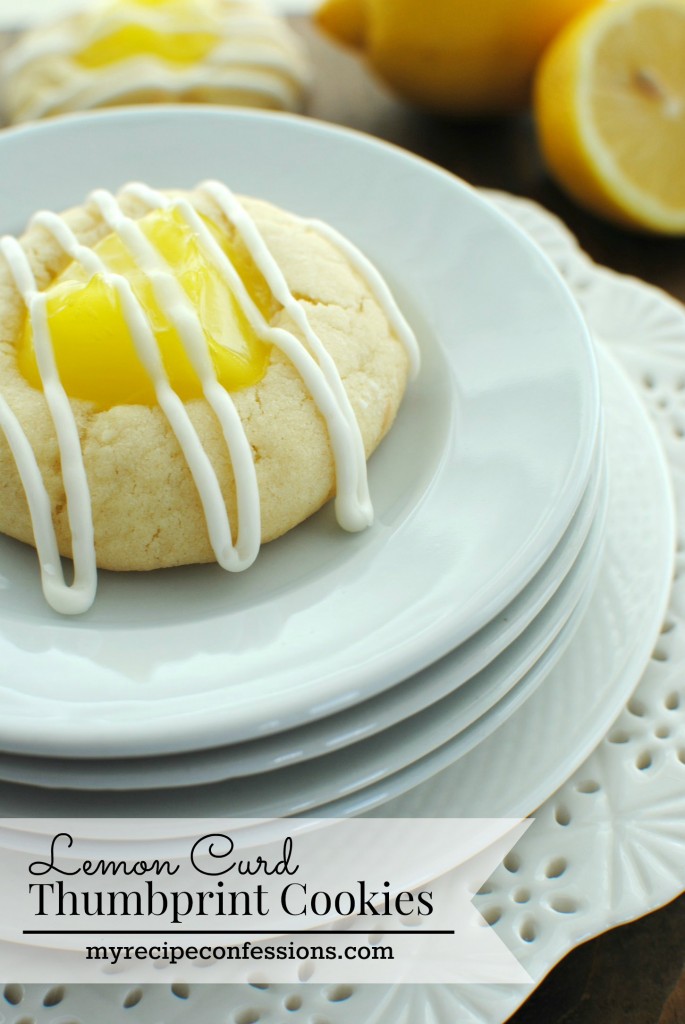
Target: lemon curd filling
{"points": [[173, 41], [94, 351]]}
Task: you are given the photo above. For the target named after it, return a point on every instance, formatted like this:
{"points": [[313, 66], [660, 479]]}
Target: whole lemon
{"points": [[453, 56]]}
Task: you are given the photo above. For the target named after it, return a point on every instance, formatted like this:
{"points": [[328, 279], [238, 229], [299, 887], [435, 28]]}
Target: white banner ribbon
{"points": [[350, 900]]}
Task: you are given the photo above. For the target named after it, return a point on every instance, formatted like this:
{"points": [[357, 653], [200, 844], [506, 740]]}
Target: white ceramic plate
{"points": [[521, 667], [506, 644], [536, 749], [357, 772], [474, 488], [532, 750]]}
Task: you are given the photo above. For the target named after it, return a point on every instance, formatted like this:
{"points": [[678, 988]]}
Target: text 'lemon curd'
{"points": [[94, 351]]}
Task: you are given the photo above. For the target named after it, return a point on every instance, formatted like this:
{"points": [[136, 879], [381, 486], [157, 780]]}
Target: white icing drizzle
{"points": [[378, 287], [179, 310], [310, 359], [255, 54], [78, 597], [352, 504]]}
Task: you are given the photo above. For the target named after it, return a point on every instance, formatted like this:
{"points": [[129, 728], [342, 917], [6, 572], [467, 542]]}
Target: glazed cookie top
{"points": [[160, 279], [131, 51]]}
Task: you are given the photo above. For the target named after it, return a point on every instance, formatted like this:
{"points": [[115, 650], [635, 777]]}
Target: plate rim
{"points": [[166, 724], [393, 803], [631, 670], [546, 648]]}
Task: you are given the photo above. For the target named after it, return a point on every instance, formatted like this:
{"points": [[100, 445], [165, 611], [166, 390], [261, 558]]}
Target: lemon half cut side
{"points": [[610, 109]]}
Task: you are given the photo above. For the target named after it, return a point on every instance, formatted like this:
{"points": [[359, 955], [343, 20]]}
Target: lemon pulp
{"points": [[94, 351], [173, 43]]}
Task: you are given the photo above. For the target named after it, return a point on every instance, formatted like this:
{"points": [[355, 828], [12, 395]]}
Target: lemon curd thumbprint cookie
{"points": [[184, 376]]}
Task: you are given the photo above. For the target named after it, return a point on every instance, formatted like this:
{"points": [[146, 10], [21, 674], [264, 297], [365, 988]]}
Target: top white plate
{"points": [[473, 489], [532, 750]]}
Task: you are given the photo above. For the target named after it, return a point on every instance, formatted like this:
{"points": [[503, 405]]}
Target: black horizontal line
{"points": [[237, 931]]}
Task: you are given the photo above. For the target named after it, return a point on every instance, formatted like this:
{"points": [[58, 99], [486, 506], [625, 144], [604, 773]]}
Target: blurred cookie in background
{"points": [[233, 52]]}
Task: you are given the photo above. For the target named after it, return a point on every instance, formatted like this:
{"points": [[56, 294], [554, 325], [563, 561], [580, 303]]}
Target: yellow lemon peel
{"points": [[453, 56]]}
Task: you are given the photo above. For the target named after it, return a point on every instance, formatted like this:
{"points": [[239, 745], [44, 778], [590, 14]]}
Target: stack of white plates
{"points": [[342, 671]]}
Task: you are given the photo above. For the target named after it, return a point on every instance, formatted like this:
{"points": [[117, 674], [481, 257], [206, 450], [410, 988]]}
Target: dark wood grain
{"points": [[634, 974]]}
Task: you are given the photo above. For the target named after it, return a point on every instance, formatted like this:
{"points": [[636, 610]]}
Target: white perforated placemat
{"points": [[608, 847]]}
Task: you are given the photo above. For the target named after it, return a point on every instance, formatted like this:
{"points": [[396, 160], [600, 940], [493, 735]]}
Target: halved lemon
{"points": [[610, 108]]}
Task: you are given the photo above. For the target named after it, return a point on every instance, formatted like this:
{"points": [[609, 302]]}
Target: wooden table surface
{"points": [[635, 974]]}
